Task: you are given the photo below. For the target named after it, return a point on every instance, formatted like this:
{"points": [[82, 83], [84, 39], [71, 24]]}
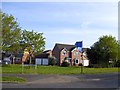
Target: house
{"points": [[70, 53], [84, 57]]}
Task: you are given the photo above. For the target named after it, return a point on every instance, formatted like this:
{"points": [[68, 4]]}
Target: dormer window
{"points": [[64, 52]]}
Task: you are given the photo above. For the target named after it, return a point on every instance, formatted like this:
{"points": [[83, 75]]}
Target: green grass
{"points": [[12, 79], [17, 69]]}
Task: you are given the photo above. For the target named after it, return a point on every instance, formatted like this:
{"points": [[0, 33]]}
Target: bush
{"points": [[90, 66], [80, 64], [117, 64], [65, 64], [52, 60], [100, 66], [5, 65]]}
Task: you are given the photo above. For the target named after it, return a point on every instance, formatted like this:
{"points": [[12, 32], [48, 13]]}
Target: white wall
{"points": [[85, 62]]}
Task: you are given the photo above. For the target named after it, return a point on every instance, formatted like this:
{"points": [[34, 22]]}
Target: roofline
{"points": [[64, 44]]}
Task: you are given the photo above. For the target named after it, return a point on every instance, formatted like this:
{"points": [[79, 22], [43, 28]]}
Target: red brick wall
{"points": [[50, 52], [62, 57], [73, 56], [56, 53]]}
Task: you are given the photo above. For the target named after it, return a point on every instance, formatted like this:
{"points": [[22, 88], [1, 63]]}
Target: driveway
{"points": [[65, 81]]}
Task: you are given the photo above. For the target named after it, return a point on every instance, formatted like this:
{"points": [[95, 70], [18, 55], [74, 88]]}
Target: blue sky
{"points": [[68, 22]]}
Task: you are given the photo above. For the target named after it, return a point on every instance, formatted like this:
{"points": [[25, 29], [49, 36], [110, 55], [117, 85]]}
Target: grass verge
{"points": [[17, 69], [12, 79]]}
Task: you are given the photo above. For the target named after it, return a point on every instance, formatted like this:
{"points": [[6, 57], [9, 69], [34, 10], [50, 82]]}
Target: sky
{"points": [[66, 22]]}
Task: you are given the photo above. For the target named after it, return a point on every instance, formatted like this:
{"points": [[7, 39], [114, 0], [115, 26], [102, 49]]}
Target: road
{"points": [[65, 81]]}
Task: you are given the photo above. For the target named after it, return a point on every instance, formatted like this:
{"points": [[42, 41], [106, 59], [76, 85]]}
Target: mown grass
{"points": [[17, 69], [12, 79]]}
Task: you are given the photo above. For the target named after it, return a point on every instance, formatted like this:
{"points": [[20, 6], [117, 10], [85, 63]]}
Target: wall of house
{"points": [[62, 56], [49, 52], [56, 54], [76, 54]]}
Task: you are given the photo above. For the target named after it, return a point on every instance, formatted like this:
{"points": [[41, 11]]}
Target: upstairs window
{"points": [[75, 53], [64, 52]]}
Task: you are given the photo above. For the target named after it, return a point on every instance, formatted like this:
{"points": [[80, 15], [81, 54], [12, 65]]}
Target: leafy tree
{"points": [[10, 33], [32, 40], [0, 33], [103, 51], [117, 64]]}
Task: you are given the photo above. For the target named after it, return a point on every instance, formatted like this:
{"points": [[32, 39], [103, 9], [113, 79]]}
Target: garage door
{"points": [[38, 61], [45, 61]]}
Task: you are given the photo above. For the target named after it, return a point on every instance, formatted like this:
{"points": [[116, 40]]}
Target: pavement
{"points": [[65, 81]]}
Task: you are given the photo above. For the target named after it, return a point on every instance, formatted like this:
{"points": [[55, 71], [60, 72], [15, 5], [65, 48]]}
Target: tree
{"points": [[10, 33], [32, 40], [0, 34], [117, 64], [103, 51]]}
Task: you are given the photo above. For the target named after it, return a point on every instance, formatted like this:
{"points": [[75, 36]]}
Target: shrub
{"points": [[90, 66], [100, 66], [65, 64], [52, 60], [80, 64], [117, 64]]}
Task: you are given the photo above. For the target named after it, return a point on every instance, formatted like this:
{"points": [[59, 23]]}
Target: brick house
{"points": [[67, 52], [63, 52]]}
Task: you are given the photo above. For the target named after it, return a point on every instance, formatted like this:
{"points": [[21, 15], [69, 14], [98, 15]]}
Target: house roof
{"points": [[67, 46], [46, 51], [42, 55], [85, 49]]}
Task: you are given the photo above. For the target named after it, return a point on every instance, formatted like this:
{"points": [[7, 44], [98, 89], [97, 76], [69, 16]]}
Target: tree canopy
{"points": [[10, 33], [15, 39], [104, 50], [33, 40]]}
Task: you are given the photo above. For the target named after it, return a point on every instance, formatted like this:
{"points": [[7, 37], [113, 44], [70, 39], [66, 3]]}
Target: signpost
{"points": [[25, 56], [82, 64], [79, 45]]}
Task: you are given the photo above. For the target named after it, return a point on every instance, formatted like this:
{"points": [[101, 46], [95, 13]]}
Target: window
{"points": [[76, 53], [64, 52]]}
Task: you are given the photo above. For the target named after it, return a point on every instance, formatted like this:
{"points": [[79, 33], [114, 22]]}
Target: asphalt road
{"points": [[65, 81]]}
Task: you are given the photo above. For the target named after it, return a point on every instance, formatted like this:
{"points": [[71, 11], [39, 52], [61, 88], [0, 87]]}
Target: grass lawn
{"points": [[17, 69], [12, 79]]}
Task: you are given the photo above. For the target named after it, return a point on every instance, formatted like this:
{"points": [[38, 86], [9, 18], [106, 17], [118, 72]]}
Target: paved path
{"points": [[65, 81]]}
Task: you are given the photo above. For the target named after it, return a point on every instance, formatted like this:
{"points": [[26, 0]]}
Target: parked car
{"points": [[6, 60]]}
